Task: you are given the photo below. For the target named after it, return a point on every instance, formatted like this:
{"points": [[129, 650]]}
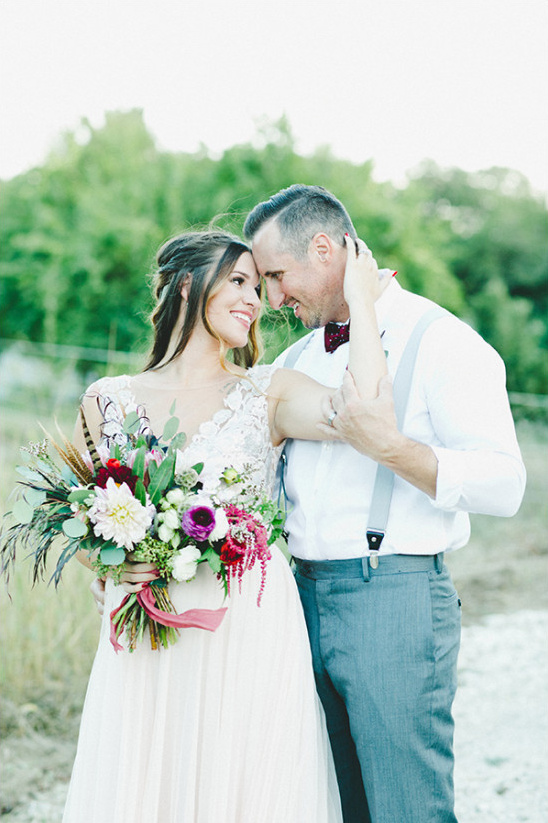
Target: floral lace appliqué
{"points": [[237, 435]]}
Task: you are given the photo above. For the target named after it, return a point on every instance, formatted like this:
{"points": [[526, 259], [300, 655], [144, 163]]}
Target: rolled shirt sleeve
{"points": [[483, 482], [480, 468]]}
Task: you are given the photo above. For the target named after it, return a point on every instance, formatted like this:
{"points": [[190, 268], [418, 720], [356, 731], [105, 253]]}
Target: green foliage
{"points": [[78, 236]]}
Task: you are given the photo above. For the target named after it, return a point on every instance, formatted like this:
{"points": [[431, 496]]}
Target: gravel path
{"points": [[501, 714]]}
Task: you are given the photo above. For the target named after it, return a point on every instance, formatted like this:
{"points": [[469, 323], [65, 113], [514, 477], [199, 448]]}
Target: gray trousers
{"points": [[385, 643]]}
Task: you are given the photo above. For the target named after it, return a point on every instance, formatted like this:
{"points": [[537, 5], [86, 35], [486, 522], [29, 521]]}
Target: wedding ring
{"points": [[331, 418]]}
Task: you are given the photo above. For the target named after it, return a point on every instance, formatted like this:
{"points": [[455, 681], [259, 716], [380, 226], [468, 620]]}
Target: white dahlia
{"points": [[118, 516]]}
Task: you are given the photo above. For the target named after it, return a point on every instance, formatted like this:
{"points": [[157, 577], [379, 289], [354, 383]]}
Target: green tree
{"points": [[79, 233]]}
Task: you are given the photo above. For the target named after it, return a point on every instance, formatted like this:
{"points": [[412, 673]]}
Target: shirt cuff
{"points": [[450, 479]]}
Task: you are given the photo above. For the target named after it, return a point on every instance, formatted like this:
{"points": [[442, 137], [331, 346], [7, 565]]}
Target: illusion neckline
{"points": [[177, 386], [198, 433]]}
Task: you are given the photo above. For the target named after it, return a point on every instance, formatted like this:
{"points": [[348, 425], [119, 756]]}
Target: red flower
{"points": [[120, 474], [229, 555]]}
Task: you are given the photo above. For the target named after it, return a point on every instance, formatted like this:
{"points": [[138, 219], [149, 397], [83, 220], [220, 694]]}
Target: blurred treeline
{"points": [[78, 235]]}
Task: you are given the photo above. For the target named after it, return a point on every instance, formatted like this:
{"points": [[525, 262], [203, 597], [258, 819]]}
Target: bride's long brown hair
{"points": [[208, 257]]}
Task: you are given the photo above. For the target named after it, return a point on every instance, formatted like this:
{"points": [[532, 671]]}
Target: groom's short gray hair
{"points": [[301, 212]]}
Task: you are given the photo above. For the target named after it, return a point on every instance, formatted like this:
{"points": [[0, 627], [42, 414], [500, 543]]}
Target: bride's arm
{"points": [[362, 287], [299, 405]]}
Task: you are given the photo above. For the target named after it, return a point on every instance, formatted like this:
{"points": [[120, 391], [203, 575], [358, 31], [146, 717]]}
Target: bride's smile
{"points": [[236, 305]]}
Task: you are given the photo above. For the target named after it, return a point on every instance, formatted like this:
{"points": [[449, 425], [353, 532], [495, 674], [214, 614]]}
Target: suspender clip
{"points": [[374, 540]]}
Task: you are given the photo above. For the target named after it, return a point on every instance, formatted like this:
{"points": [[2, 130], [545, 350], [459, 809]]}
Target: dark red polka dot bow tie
{"points": [[335, 335]]}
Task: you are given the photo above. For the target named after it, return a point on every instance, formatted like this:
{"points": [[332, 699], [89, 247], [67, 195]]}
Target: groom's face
{"points": [[310, 286]]}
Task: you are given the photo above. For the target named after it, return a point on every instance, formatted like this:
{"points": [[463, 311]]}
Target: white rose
{"points": [[165, 533], [221, 526], [171, 519], [185, 563], [175, 497]]}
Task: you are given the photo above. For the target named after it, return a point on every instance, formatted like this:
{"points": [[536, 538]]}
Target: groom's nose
{"points": [[275, 294]]}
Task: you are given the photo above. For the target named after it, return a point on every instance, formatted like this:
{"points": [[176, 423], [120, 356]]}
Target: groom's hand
{"points": [[370, 426], [367, 425]]}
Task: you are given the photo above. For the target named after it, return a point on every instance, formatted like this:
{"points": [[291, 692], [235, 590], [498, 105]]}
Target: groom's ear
{"points": [[321, 247]]}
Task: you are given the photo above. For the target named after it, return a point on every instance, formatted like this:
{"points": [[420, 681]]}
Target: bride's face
{"points": [[237, 303]]}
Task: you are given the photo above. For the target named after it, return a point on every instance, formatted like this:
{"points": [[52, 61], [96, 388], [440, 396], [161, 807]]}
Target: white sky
{"points": [[460, 81]]}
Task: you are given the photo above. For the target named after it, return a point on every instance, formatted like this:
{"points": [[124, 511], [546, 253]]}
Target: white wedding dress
{"points": [[222, 727]]}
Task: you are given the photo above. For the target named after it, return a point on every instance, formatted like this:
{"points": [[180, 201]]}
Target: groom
{"points": [[384, 629]]}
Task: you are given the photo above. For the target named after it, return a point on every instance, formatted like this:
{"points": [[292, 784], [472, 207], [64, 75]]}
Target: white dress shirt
{"points": [[457, 404]]}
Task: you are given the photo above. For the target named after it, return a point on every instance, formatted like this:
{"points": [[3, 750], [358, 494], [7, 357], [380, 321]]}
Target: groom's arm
{"points": [[370, 427], [473, 462]]}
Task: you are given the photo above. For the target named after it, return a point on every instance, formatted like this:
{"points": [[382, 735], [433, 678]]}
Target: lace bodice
{"points": [[237, 435]]}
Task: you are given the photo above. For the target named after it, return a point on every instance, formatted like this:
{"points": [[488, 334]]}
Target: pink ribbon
{"points": [[208, 619], [113, 639]]}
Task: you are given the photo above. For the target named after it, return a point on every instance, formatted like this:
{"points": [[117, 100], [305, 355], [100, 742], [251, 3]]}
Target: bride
{"points": [[224, 726]]}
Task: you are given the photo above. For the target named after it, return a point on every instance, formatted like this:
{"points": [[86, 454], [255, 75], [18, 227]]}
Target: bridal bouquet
{"points": [[139, 502]]}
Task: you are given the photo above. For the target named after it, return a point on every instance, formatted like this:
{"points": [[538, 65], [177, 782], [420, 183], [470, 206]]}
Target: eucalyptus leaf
{"points": [[178, 441], [172, 409], [29, 474], [170, 429], [42, 466], [79, 495], [132, 422], [68, 476], [73, 527], [112, 556], [34, 497], [22, 512]]}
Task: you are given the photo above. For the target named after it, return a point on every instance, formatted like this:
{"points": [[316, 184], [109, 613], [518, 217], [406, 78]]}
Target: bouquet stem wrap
{"points": [[145, 600]]}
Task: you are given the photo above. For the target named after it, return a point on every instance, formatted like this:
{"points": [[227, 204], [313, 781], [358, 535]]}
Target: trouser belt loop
{"points": [[365, 570], [438, 561]]}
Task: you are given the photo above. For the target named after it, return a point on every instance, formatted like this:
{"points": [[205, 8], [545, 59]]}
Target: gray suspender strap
{"points": [[384, 478], [292, 356], [295, 351]]}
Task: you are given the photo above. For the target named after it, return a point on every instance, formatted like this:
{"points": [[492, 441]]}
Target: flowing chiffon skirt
{"points": [[222, 727]]}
